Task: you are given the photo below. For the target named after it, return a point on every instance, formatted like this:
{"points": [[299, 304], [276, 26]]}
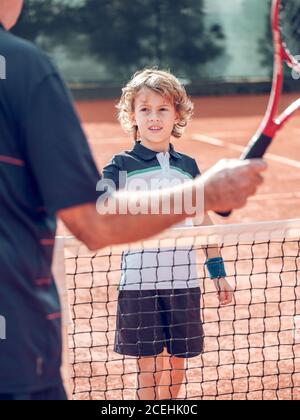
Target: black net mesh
{"points": [[251, 347]]}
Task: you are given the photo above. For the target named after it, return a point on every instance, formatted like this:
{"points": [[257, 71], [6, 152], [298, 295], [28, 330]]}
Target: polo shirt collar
{"points": [[147, 154], [2, 27]]}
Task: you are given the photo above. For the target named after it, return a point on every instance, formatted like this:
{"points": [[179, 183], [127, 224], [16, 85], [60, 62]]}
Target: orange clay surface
{"points": [[250, 352], [231, 121]]}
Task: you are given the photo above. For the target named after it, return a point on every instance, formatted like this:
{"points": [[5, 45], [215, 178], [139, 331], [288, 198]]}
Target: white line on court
{"points": [[229, 135], [231, 146], [286, 196]]}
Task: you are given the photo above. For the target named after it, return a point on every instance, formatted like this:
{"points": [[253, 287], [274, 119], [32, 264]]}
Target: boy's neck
{"points": [[163, 147]]}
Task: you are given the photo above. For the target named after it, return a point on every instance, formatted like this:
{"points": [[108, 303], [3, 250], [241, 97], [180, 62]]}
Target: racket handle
{"points": [[255, 150], [257, 147]]}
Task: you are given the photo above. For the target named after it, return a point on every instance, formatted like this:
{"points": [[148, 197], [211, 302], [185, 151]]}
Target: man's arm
{"points": [[226, 186], [98, 230]]}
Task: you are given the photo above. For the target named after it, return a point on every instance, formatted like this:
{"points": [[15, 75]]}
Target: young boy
{"points": [[158, 318]]}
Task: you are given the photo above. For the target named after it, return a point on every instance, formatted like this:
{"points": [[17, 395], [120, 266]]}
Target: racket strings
{"points": [[289, 24]]}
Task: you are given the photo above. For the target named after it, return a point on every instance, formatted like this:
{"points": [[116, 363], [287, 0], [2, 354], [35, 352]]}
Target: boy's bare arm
{"points": [[213, 250], [224, 290]]}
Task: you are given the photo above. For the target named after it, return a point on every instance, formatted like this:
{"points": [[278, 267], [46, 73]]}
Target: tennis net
{"points": [[251, 347]]}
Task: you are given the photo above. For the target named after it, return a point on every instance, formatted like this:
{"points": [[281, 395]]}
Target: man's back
{"points": [[41, 149]]}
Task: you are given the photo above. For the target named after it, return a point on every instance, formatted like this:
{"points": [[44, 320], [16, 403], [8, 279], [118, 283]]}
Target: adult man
{"points": [[47, 171]]}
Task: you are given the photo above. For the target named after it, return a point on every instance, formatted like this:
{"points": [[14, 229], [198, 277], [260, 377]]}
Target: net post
{"points": [[59, 272]]}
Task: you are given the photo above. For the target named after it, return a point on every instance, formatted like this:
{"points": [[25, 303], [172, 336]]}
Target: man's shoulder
{"points": [[18, 45], [19, 50]]}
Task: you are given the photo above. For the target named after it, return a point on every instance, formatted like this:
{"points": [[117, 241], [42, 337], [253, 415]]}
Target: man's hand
{"points": [[224, 291], [230, 183]]}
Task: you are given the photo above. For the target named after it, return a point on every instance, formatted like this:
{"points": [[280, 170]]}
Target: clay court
{"points": [[251, 351], [222, 126]]}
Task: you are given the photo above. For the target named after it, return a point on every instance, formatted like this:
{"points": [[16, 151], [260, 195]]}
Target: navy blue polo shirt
{"points": [[45, 165], [148, 170], [143, 163]]}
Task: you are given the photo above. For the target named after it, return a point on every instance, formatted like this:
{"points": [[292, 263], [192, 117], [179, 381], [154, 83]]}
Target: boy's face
{"points": [[155, 117]]}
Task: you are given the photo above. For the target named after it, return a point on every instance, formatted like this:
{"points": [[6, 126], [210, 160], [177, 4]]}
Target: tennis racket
{"points": [[286, 39]]}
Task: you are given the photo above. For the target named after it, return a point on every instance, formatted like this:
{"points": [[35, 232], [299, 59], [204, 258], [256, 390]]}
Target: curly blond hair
{"points": [[163, 83]]}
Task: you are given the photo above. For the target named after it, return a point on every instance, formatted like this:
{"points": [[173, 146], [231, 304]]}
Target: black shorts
{"points": [[150, 320]]}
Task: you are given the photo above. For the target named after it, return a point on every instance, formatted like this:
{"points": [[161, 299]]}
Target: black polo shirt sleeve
{"points": [[56, 148], [195, 170], [112, 171]]}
